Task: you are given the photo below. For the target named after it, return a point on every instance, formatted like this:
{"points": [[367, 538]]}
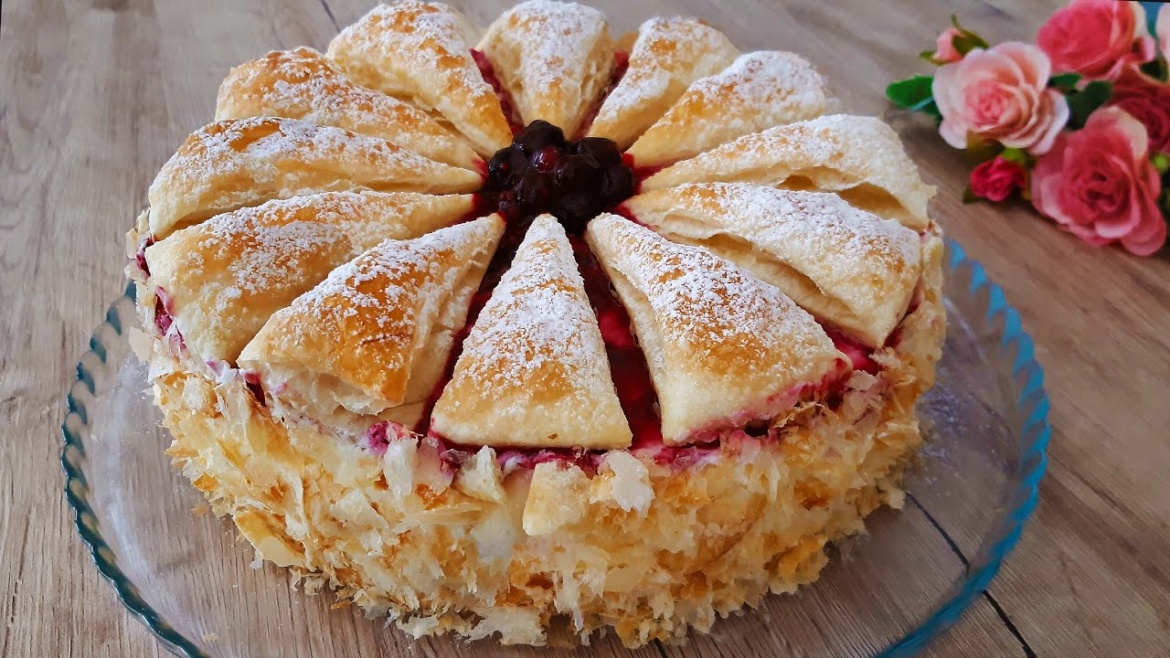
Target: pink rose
{"points": [[997, 179], [1001, 94], [944, 50], [1099, 184], [1096, 38], [1148, 101]]}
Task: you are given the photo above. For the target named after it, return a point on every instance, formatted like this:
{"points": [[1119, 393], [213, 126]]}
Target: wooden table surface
{"points": [[95, 94]]}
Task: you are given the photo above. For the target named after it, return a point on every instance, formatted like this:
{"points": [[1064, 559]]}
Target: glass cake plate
{"points": [[185, 574]]}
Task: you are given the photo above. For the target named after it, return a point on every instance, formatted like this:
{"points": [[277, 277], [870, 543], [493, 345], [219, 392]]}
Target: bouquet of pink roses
{"points": [[1077, 124]]}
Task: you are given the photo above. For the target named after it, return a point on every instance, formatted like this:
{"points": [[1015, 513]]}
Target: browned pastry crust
{"points": [[859, 158], [849, 267], [724, 348], [554, 58], [244, 162], [667, 56], [374, 335], [303, 84], [758, 91], [421, 51], [225, 277], [533, 371]]}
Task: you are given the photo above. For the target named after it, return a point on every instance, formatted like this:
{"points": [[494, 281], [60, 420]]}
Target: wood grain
{"points": [[95, 94]]}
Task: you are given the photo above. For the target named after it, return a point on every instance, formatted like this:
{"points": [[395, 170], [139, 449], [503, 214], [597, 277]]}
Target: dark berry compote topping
{"points": [[542, 172]]}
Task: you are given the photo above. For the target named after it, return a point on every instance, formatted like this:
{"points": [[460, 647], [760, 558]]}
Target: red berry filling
{"points": [[140, 257], [252, 381], [627, 363], [162, 316], [489, 76], [621, 63], [859, 355]]}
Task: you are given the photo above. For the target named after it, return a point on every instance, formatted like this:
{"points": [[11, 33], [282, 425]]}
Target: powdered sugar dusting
{"points": [[537, 344], [244, 162], [868, 264], [230, 273], [759, 90], [766, 86], [541, 307], [232, 145], [553, 57], [272, 242], [422, 51], [278, 253], [707, 310], [413, 33], [382, 303], [835, 153], [302, 84], [668, 55]]}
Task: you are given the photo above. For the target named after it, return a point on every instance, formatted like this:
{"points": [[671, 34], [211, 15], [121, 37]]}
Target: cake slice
{"points": [[224, 278], [303, 84], [859, 158], [724, 348], [245, 162], [847, 266], [421, 51], [533, 371], [553, 58], [375, 334], [667, 56], [759, 90]]}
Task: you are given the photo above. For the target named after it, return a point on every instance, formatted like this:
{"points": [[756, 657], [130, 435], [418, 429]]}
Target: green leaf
{"points": [[931, 110], [911, 92], [1161, 162], [927, 56], [968, 41], [1084, 102], [1156, 68], [1065, 81], [1015, 155], [969, 196]]}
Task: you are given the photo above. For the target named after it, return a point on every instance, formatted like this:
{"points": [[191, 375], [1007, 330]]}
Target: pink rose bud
{"points": [[1097, 38], [1099, 184], [997, 179], [1000, 94], [944, 51]]}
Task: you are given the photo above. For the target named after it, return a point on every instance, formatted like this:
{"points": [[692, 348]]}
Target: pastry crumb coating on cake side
{"points": [[454, 392]]}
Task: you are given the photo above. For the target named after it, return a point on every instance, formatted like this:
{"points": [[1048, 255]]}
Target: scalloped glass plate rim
{"points": [[1032, 464]]}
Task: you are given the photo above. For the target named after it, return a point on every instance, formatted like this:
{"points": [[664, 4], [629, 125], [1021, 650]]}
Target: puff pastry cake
{"points": [[539, 326]]}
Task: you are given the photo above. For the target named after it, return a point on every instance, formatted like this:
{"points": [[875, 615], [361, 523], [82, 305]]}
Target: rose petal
{"points": [[1096, 38], [1146, 244], [1086, 234], [1034, 66], [953, 133]]}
